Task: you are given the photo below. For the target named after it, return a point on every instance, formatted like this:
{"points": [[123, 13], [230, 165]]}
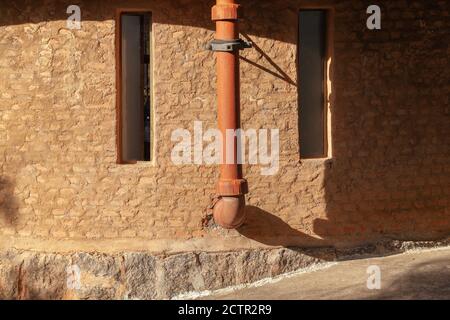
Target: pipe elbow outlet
{"points": [[229, 212]]}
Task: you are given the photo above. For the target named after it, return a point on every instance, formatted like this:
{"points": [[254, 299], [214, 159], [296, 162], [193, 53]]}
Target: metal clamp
{"points": [[228, 45]]}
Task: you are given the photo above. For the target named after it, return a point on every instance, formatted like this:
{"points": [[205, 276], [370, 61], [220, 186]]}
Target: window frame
{"points": [[328, 89], [118, 63]]}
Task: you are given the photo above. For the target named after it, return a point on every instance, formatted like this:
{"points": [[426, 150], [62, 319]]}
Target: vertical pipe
{"points": [[229, 210], [227, 96]]}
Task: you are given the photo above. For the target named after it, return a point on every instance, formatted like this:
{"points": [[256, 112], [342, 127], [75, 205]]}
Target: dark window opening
{"points": [[135, 122], [312, 78]]}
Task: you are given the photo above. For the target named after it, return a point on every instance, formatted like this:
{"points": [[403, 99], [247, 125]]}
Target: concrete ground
{"points": [[412, 275]]}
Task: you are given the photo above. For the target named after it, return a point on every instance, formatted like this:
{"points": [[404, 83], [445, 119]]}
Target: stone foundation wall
{"points": [[140, 275], [59, 181]]}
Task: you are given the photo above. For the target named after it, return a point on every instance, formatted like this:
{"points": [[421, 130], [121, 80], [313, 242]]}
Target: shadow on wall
{"points": [[176, 12], [8, 205], [277, 72], [390, 132], [269, 229], [388, 177], [389, 174]]}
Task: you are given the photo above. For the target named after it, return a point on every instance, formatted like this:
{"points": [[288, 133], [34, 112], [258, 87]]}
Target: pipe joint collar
{"points": [[226, 12], [230, 188]]}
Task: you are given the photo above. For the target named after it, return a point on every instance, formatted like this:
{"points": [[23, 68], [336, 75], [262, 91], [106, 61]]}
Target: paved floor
{"points": [[413, 275]]}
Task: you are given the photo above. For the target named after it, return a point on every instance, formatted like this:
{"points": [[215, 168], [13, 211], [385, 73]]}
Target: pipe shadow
{"points": [[271, 230], [278, 73]]}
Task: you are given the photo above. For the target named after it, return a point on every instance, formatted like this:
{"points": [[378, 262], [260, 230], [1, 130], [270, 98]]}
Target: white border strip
{"points": [[200, 294]]}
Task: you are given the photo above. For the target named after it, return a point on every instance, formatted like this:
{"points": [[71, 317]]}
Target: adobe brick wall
{"points": [[60, 186]]}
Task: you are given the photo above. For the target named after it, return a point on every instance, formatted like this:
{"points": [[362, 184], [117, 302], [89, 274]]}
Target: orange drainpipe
{"points": [[229, 210]]}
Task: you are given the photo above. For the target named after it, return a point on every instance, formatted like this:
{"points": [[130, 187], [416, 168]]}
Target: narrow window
{"points": [[312, 79], [135, 95]]}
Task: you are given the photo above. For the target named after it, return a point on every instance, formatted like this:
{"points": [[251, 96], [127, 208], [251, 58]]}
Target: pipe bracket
{"points": [[228, 45]]}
